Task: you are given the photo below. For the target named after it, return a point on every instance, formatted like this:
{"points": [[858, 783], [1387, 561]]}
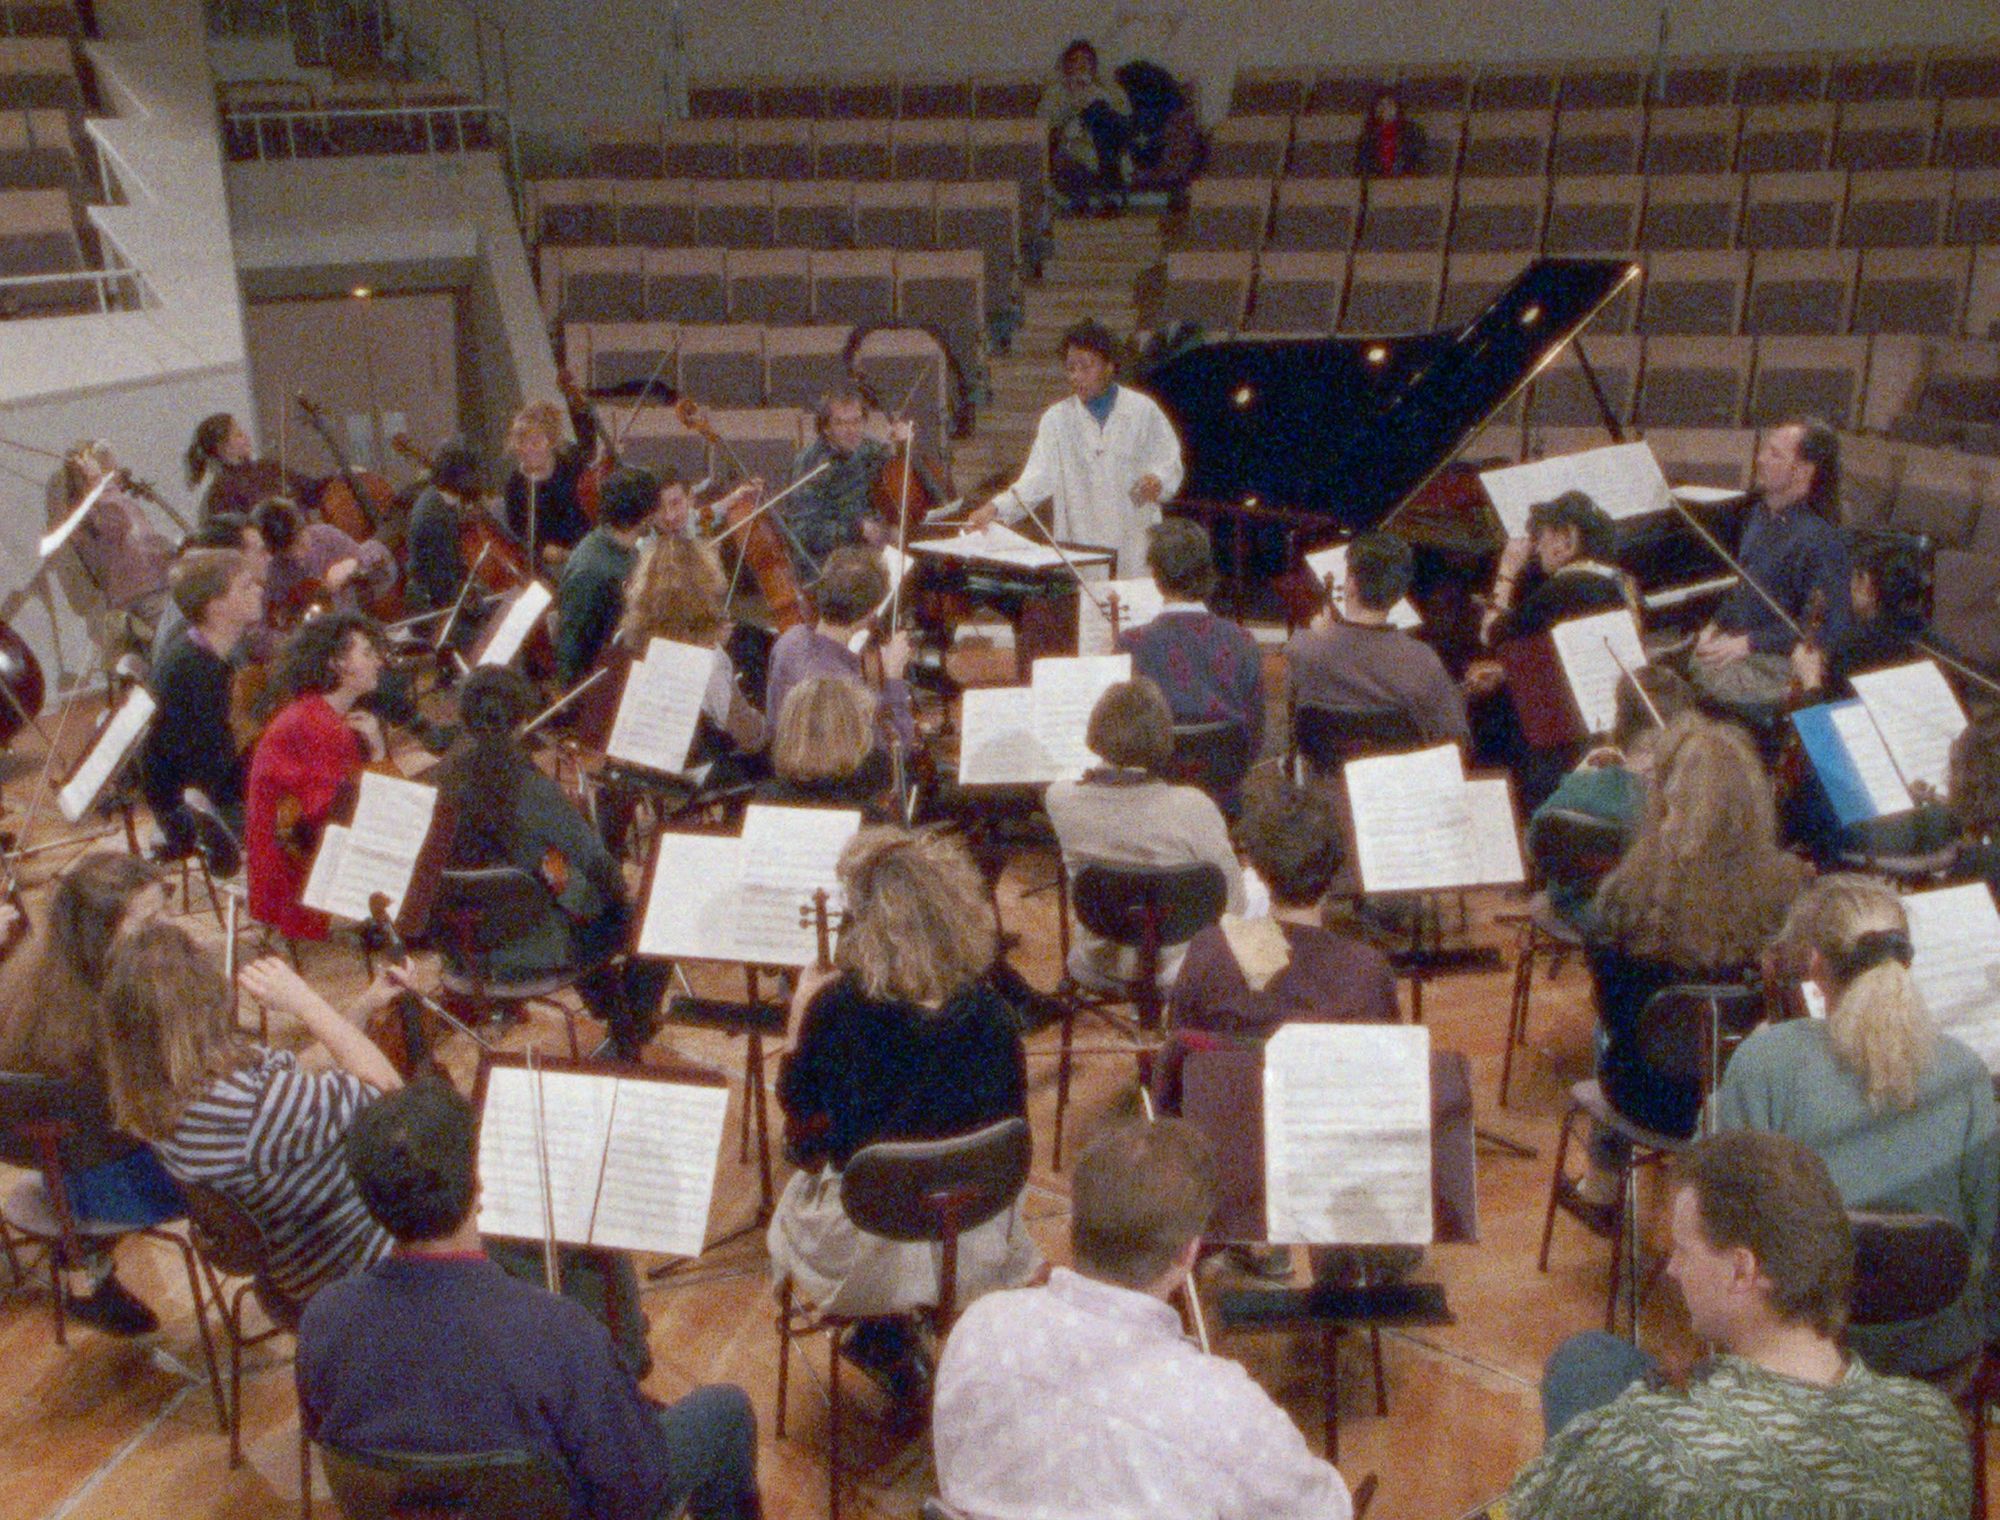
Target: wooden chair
{"points": [[229, 1243], [1568, 851], [494, 1485], [1685, 1034], [1143, 909], [913, 1191]]}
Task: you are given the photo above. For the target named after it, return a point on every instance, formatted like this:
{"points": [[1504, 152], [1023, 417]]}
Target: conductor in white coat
{"points": [[1106, 455]]}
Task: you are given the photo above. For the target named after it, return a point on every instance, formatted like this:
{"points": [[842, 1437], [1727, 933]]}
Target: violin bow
{"points": [[551, 1279], [1951, 662], [638, 402], [748, 518], [1736, 565], [464, 591], [563, 701], [42, 787], [1633, 676], [379, 915]]}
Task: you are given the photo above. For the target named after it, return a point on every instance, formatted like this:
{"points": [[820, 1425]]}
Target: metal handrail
{"points": [[326, 116], [100, 279]]}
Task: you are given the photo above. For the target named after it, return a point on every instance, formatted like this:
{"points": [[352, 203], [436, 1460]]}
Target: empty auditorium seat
{"points": [[1598, 142], [722, 365], [1298, 292], [607, 355], [1602, 84], [1965, 604], [1688, 211], [929, 149], [39, 72], [1269, 92], [985, 214], [655, 439], [659, 212], [1913, 291], [1792, 210], [1813, 377], [1875, 76], [1975, 207], [1006, 97], [1444, 136], [1694, 382], [790, 96], [813, 214], [1692, 140], [769, 285], [1718, 457], [1776, 79], [1869, 470], [1249, 147], [1982, 299], [603, 285], [1968, 135], [1472, 280], [1406, 215], [1325, 144], [1940, 493], [868, 97], [1208, 287], [1430, 87], [895, 214], [851, 149], [1226, 214], [1694, 82], [802, 364], [1501, 215], [686, 285], [1964, 73], [1392, 292], [734, 213], [1694, 292], [1594, 214], [1515, 87], [1801, 293], [1896, 208], [699, 148], [945, 293], [1561, 396], [1889, 134], [1350, 91], [856, 286], [929, 97], [720, 99], [37, 151], [1316, 215], [776, 149], [1016, 150], [575, 210], [1507, 142], [1785, 139]]}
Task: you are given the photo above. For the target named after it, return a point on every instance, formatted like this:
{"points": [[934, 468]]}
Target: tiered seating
{"points": [[43, 176], [290, 118], [916, 97]]}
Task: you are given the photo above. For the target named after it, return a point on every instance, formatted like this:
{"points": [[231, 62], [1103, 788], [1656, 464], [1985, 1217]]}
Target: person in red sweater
{"points": [[308, 760]]}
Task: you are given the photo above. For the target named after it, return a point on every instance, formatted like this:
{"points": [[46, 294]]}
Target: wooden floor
{"points": [[104, 1427]]}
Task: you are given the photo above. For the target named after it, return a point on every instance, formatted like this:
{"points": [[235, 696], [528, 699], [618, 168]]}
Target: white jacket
{"points": [[1089, 471]]}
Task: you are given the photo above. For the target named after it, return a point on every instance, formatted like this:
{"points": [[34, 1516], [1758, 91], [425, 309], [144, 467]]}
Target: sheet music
{"points": [[574, 1111], [660, 708], [1347, 1135], [113, 743], [1496, 834], [1955, 932], [322, 881], [512, 631], [997, 743], [1624, 479], [1874, 766], [62, 532], [1065, 692], [1919, 716], [789, 853], [692, 912], [1589, 650], [1330, 565], [1139, 602], [659, 1168], [1412, 820], [377, 852], [996, 543]]}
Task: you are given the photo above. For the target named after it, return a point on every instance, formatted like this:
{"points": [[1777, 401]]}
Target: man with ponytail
{"points": [[1902, 1114]]}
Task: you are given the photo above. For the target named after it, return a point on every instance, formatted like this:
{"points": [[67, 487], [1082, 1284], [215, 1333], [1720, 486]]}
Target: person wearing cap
{"points": [[1572, 544], [1105, 455], [591, 595]]}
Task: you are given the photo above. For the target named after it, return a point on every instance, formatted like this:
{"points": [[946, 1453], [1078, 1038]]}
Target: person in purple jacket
{"points": [[1207, 667]]}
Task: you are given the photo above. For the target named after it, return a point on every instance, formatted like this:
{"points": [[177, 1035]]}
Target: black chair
{"points": [[1686, 1034], [231, 1244], [486, 1485], [912, 1191], [52, 1129], [480, 911], [1146, 910], [1569, 851], [1326, 738], [1212, 756]]}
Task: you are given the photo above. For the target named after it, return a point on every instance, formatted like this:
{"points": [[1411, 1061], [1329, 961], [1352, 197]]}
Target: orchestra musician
{"points": [[676, 593], [1793, 548], [222, 455], [505, 812], [901, 1039], [1208, 668], [124, 555], [437, 569], [590, 597], [1572, 545], [308, 760], [544, 510], [833, 508], [1974, 780], [1106, 456], [1886, 591], [225, 530], [849, 590], [314, 562], [50, 986], [826, 752], [190, 744]]}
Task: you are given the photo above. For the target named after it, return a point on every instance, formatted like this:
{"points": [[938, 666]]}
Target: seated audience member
{"points": [[49, 989], [1974, 782], [1247, 976], [190, 743], [1354, 659], [1084, 1397], [846, 595], [435, 1349], [1089, 122], [308, 760], [314, 563], [259, 1125], [903, 1040], [1572, 543], [1391, 144], [590, 598], [1611, 782], [825, 754], [1701, 892], [1122, 814], [506, 812], [1781, 1422], [1207, 667], [1902, 1114]]}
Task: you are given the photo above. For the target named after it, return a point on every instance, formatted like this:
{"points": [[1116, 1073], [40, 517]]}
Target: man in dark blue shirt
{"points": [[436, 1350], [1793, 549]]}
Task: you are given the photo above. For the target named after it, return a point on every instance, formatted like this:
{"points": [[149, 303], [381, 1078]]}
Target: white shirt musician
{"points": [[1106, 455]]}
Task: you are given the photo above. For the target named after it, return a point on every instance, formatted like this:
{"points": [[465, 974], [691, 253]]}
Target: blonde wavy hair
{"points": [[166, 1030], [676, 593], [920, 925], [826, 729], [1876, 1019], [1705, 884], [543, 417]]}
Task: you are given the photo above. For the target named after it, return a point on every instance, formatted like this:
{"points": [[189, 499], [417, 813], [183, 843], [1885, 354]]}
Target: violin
{"points": [[804, 1140], [756, 546], [408, 1029], [483, 540], [145, 491], [590, 479]]}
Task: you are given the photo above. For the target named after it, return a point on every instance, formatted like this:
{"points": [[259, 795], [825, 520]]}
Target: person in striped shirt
{"points": [[263, 1127]]}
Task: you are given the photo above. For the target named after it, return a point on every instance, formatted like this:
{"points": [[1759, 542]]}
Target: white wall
{"points": [[573, 63]]}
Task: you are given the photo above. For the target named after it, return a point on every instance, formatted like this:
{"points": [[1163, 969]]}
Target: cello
{"points": [[484, 542], [757, 543], [22, 686], [354, 501]]}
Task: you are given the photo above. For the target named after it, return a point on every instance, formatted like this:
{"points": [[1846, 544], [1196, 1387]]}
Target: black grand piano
{"points": [[1293, 443]]}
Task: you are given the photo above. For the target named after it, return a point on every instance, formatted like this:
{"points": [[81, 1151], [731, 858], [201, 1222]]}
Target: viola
{"points": [[756, 547], [483, 540]]}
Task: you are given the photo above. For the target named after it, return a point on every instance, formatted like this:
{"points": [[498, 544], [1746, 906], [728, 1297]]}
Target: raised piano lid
{"points": [[1350, 428]]}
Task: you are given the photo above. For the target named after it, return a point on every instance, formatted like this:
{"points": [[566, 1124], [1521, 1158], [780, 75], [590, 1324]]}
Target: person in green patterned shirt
{"points": [[1781, 1422]]}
